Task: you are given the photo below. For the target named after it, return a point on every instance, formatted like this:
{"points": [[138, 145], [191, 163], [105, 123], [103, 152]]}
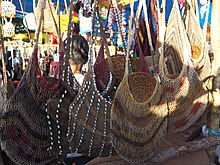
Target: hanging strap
{"points": [[152, 52], [28, 32], [143, 64], [5, 79], [130, 37], [65, 4], [91, 46], [119, 22], [100, 57], [105, 43], [69, 34], [206, 21]]}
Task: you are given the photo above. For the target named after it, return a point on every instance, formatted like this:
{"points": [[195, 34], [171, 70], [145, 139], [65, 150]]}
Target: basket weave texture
{"points": [[199, 57], [185, 93], [25, 133], [89, 121], [102, 72], [57, 109], [48, 23], [138, 117]]}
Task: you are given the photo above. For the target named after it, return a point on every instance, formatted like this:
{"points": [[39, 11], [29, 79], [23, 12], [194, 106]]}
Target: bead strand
{"points": [[50, 128], [85, 122], [105, 131], [94, 127]]}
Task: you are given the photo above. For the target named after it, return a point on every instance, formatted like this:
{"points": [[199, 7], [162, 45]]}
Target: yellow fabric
{"points": [[121, 3], [64, 20]]}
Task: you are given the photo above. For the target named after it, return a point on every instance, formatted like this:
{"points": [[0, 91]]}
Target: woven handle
{"points": [[105, 42], [131, 34], [34, 69], [118, 20], [69, 34], [143, 64], [91, 45], [152, 52], [61, 49], [100, 57]]}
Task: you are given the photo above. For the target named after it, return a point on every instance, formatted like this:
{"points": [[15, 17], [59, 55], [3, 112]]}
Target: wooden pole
{"points": [[164, 154], [184, 149], [215, 40]]}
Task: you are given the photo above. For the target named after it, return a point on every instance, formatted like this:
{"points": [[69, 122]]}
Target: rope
{"points": [[206, 21], [91, 46], [28, 32], [115, 4], [67, 52], [105, 42], [152, 52], [130, 36], [65, 4], [41, 20]]}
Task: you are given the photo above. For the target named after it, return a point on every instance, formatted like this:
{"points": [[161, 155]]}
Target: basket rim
{"points": [[125, 79]]}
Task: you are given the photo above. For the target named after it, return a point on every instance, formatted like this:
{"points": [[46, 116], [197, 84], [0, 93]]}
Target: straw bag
{"points": [[104, 71], [199, 56], [89, 128], [101, 69], [57, 106], [138, 115], [48, 22], [25, 133], [57, 116], [184, 91], [8, 28], [57, 110], [8, 9]]}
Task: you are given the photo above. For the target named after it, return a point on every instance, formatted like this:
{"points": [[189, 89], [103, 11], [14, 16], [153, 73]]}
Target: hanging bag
{"points": [[25, 133], [8, 9], [184, 92], [199, 55], [138, 114], [89, 128], [57, 106], [101, 67]]}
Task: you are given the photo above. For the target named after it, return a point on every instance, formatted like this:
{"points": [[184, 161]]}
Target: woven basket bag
{"points": [[48, 22], [102, 72], [58, 114], [89, 127], [105, 74], [199, 55], [25, 132], [138, 115], [57, 106], [184, 91]]}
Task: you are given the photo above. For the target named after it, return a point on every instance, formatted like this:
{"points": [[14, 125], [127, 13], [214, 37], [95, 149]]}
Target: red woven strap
{"points": [[35, 72], [100, 57], [143, 64]]}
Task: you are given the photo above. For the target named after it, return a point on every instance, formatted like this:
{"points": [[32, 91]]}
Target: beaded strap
{"points": [[89, 116], [56, 107], [119, 22]]}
